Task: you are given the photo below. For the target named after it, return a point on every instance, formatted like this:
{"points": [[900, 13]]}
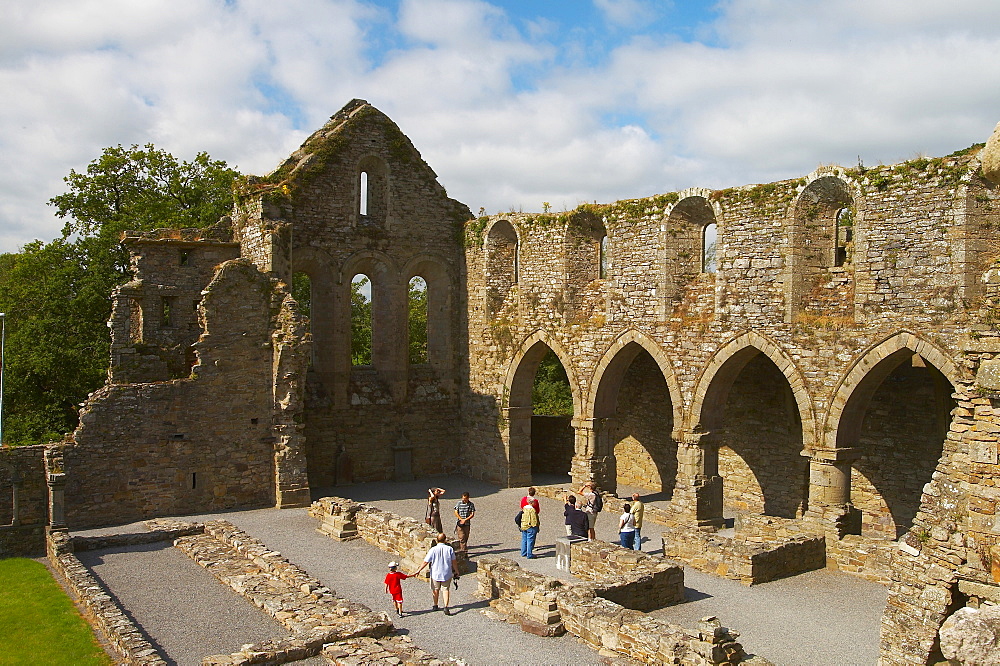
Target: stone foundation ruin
{"points": [[822, 351]]}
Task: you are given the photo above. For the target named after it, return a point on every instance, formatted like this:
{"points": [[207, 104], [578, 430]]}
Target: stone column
{"points": [[698, 491], [57, 500], [593, 461], [291, 478], [830, 490], [518, 445]]}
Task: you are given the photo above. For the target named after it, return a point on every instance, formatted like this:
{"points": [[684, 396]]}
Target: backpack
{"points": [[598, 503], [517, 519]]}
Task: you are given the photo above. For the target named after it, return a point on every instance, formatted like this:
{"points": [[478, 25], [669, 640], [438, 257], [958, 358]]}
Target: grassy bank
{"points": [[38, 623]]}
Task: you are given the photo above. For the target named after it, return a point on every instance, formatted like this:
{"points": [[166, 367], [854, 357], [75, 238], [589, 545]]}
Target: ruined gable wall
{"points": [[312, 223], [202, 443]]}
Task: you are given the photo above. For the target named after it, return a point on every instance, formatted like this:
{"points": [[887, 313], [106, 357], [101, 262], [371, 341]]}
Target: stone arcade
{"points": [[819, 354]]}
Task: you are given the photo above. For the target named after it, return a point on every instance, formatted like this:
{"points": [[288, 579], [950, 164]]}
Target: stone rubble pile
{"points": [[550, 607]]}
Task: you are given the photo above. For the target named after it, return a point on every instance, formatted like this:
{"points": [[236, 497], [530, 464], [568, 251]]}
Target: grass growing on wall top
{"points": [[38, 622]]}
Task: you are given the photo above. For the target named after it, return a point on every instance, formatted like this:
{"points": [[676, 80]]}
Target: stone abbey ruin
{"points": [[827, 369]]}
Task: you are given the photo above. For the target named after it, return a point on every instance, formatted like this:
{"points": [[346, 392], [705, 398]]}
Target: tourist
{"points": [[394, 588], [531, 499], [444, 567], [576, 520], [568, 508], [432, 516], [638, 508], [626, 527], [529, 530], [592, 505], [465, 510]]}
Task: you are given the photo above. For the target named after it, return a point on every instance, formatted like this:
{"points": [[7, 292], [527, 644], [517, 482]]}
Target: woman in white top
{"points": [[626, 527]]}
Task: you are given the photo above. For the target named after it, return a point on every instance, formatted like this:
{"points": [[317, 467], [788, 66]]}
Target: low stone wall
{"points": [[549, 607], [407, 538], [627, 577], [613, 506], [299, 602], [751, 557], [100, 607], [864, 557]]}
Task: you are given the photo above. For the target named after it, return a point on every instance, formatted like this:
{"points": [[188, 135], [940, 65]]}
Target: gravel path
{"points": [[182, 608], [817, 618]]}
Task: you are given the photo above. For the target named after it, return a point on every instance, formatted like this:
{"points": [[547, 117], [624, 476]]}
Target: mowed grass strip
{"points": [[38, 623]]}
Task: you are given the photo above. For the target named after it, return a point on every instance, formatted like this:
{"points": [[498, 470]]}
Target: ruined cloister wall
{"points": [[202, 443], [704, 335], [808, 377], [23, 501]]}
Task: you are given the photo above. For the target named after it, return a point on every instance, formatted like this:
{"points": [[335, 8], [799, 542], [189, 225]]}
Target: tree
{"points": [[417, 315], [361, 322], [551, 394], [56, 295]]}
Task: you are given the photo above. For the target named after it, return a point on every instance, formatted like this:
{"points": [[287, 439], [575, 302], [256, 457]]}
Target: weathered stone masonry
{"points": [[827, 360]]}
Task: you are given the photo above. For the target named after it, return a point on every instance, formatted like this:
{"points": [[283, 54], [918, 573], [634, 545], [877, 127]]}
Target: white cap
{"points": [[393, 565]]}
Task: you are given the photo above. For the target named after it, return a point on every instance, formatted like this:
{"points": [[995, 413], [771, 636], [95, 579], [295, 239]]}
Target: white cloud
{"points": [[626, 13], [506, 118]]}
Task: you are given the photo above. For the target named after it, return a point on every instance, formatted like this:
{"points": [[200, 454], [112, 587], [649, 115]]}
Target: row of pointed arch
{"points": [[849, 397]]}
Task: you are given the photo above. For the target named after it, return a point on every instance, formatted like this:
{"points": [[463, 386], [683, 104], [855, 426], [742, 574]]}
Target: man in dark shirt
{"points": [[576, 520]]}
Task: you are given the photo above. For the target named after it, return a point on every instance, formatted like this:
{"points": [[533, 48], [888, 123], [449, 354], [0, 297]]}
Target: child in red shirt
{"points": [[394, 588]]}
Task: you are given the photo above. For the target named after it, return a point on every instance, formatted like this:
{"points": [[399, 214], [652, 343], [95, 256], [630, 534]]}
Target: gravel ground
{"points": [[817, 618], [182, 608]]}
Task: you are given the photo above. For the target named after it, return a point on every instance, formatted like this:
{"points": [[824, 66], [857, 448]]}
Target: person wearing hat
{"points": [[394, 588]]}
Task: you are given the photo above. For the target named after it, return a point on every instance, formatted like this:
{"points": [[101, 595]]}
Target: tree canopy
{"points": [[56, 295]]}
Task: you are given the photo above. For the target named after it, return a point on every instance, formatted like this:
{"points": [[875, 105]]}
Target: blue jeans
{"points": [[637, 543], [626, 538], [528, 542]]}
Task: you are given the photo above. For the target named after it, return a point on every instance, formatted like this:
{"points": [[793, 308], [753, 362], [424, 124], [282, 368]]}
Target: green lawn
{"points": [[38, 623]]}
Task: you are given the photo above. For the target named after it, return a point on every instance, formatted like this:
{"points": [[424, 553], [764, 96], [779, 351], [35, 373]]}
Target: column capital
{"points": [[832, 456]]}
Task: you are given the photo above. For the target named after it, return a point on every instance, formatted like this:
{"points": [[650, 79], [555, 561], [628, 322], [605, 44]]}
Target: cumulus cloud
{"points": [[510, 110]]}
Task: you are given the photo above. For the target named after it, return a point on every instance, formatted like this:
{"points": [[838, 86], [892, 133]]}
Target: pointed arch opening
{"points": [[754, 422], [502, 264], [541, 404], [896, 419], [634, 408], [302, 292]]}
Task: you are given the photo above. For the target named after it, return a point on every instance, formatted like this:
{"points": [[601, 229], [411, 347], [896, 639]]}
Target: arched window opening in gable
{"points": [[605, 258], [363, 208], [709, 243], [361, 320], [502, 264], [844, 241], [302, 293], [417, 320], [373, 190]]}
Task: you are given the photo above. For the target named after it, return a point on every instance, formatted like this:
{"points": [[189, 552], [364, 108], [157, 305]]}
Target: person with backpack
{"points": [[593, 503], [529, 530]]}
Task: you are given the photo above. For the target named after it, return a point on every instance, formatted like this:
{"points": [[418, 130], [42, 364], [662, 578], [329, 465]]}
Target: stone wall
{"points": [[23, 501], [547, 606], [551, 444], [202, 443], [747, 561], [627, 577], [406, 538]]}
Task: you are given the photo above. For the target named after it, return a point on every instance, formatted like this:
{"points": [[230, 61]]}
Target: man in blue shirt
{"points": [[444, 567]]}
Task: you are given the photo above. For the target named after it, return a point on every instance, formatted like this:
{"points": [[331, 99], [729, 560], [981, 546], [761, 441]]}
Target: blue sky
{"points": [[512, 103]]}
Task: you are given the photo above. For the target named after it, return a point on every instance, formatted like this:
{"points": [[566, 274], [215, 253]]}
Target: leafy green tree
{"points": [[551, 394], [56, 295], [417, 315], [361, 322]]}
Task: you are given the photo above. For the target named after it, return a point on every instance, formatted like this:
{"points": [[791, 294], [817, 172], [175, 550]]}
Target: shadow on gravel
{"points": [[691, 594]]}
